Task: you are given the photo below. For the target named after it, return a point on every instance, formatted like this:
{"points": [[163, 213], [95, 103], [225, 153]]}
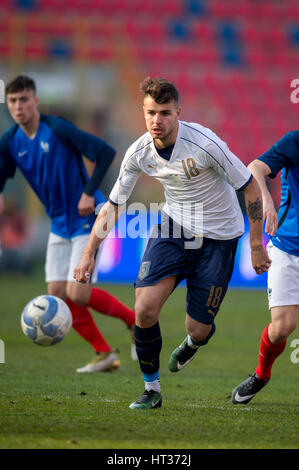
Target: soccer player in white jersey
{"points": [[283, 249], [203, 222]]}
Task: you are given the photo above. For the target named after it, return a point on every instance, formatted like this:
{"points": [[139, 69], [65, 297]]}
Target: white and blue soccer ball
{"points": [[46, 320]]}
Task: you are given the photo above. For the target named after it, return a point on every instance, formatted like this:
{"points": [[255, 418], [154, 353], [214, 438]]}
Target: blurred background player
{"points": [[283, 249], [49, 152], [1, 211], [195, 167], [15, 237]]}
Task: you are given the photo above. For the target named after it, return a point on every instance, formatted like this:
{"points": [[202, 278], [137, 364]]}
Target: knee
{"points": [[57, 290], [77, 294], [146, 314], [281, 330], [76, 298], [199, 333]]}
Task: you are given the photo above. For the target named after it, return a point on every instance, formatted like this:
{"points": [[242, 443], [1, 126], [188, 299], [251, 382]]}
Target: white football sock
{"points": [[191, 343], [155, 385]]}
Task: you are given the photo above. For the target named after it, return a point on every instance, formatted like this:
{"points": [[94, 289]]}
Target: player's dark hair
{"points": [[20, 83], [159, 89]]}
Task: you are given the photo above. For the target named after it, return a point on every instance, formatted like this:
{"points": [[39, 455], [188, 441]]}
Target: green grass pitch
{"points": [[44, 404]]}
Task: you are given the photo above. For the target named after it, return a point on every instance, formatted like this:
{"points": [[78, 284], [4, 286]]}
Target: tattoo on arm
{"points": [[255, 210]]}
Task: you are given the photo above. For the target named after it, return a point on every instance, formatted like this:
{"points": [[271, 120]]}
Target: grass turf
{"points": [[44, 404]]}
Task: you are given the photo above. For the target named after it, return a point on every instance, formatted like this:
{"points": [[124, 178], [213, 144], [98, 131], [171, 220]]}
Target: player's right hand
{"points": [[84, 268], [86, 205], [260, 259]]}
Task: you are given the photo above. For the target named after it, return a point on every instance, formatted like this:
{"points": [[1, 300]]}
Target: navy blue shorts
{"points": [[207, 270]]}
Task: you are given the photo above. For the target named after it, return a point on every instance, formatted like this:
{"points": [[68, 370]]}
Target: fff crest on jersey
{"points": [[144, 270], [45, 146]]}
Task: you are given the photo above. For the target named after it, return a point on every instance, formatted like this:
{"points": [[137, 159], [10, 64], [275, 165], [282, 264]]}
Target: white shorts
{"points": [[283, 278], [63, 255]]}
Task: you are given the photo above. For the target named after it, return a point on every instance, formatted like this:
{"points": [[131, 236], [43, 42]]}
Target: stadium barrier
{"points": [[122, 254]]}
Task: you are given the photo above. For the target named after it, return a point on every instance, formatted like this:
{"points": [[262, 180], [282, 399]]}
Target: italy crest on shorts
{"points": [[144, 270]]}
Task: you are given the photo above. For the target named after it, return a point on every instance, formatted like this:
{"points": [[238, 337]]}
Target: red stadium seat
{"points": [[202, 31], [246, 101]]}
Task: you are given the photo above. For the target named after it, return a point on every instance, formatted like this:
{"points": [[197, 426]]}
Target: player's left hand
{"points": [[260, 259], [270, 215], [86, 205]]}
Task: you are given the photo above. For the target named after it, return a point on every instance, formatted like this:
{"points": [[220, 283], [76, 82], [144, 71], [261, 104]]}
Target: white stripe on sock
{"points": [[155, 385]]}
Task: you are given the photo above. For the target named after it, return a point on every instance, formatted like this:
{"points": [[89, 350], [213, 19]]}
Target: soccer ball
{"points": [[46, 320]]}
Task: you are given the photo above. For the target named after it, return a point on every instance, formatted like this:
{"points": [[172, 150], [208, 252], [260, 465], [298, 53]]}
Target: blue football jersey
{"points": [[284, 155], [52, 164]]}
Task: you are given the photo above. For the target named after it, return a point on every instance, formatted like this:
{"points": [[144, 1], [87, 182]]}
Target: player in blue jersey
{"points": [[283, 249], [49, 152]]}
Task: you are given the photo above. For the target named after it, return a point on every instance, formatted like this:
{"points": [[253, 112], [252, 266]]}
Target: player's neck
{"points": [[31, 127], [162, 144]]}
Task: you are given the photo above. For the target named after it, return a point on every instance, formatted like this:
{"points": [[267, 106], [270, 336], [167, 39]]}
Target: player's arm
{"points": [[96, 150], [254, 207], [239, 177], [102, 154], [283, 154], [106, 219], [260, 171], [109, 214]]}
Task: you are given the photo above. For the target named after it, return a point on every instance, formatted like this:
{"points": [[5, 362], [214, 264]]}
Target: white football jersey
{"points": [[200, 180]]}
